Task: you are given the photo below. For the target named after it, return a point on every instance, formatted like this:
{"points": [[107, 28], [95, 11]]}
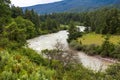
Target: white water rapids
{"points": [[47, 42]]}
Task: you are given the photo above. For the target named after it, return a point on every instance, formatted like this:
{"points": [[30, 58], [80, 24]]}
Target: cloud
{"points": [[23, 3]]}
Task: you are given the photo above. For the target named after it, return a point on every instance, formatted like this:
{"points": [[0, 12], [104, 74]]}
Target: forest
{"points": [[103, 21], [18, 62]]}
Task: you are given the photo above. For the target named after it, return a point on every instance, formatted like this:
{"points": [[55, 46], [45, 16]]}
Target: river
{"points": [[48, 41]]}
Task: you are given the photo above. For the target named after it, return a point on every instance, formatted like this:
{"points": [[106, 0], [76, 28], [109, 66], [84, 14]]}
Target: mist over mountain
{"points": [[72, 6]]}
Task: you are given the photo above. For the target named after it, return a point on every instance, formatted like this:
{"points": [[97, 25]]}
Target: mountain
{"points": [[72, 6]]}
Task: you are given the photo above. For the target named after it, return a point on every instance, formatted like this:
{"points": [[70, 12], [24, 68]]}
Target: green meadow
{"points": [[93, 38]]}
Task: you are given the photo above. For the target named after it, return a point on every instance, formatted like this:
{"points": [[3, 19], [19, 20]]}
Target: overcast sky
{"points": [[23, 3]]}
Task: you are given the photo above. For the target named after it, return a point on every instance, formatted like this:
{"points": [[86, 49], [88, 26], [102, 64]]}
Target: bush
{"points": [[8, 76], [114, 72], [15, 65], [116, 52], [91, 49], [33, 56], [107, 47], [76, 45], [74, 36], [81, 73], [3, 42]]}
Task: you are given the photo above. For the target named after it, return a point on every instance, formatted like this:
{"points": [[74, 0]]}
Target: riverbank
{"points": [[95, 62]]}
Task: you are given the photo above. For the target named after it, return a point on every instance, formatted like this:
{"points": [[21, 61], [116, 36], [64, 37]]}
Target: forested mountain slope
{"points": [[73, 6]]}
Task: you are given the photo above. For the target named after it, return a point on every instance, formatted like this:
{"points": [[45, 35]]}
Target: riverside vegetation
{"points": [[18, 62]]}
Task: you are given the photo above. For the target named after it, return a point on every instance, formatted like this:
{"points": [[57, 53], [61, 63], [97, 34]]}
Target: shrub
{"points": [[76, 45], [114, 71], [3, 42], [16, 68], [73, 36], [8, 76], [91, 49], [106, 48], [116, 52], [33, 56]]}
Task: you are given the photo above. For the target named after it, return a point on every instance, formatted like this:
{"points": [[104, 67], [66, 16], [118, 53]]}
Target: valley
{"points": [[64, 40]]}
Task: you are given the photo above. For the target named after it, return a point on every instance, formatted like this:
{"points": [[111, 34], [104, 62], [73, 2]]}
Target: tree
{"points": [[26, 25], [73, 32], [34, 18], [107, 47], [16, 11], [4, 12], [15, 35], [65, 57]]}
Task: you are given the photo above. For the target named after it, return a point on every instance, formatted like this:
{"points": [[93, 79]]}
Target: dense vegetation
{"points": [[41, 27], [26, 64], [103, 21], [18, 62], [16, 26], [106, 49], [74, 33]]}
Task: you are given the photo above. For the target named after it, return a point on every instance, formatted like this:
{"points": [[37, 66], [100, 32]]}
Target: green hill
{"points": [[72, 6]]}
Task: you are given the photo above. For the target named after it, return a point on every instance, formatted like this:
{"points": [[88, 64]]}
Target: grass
{"points": [[63, 27], [93, 38]]}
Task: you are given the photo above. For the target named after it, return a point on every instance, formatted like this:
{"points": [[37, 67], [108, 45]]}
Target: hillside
{"points": [[72, 5]]}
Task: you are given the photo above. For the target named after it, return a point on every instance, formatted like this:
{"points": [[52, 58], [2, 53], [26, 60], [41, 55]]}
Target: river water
{"points": [[48, 41]]}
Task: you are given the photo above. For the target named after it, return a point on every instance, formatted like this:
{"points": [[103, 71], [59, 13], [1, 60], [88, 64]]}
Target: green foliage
{"points": [[16, 33], [4, 14], [14, 65], [106, 47], [27, 26], [113, 72], [16, 11], [12, 36], [50, 25], [4, 42], [33, 56], [34, 17], [91, 49], [76, 45], [81, 73], [105, 21], [73, 32], [23, 64], [116, 52]]}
